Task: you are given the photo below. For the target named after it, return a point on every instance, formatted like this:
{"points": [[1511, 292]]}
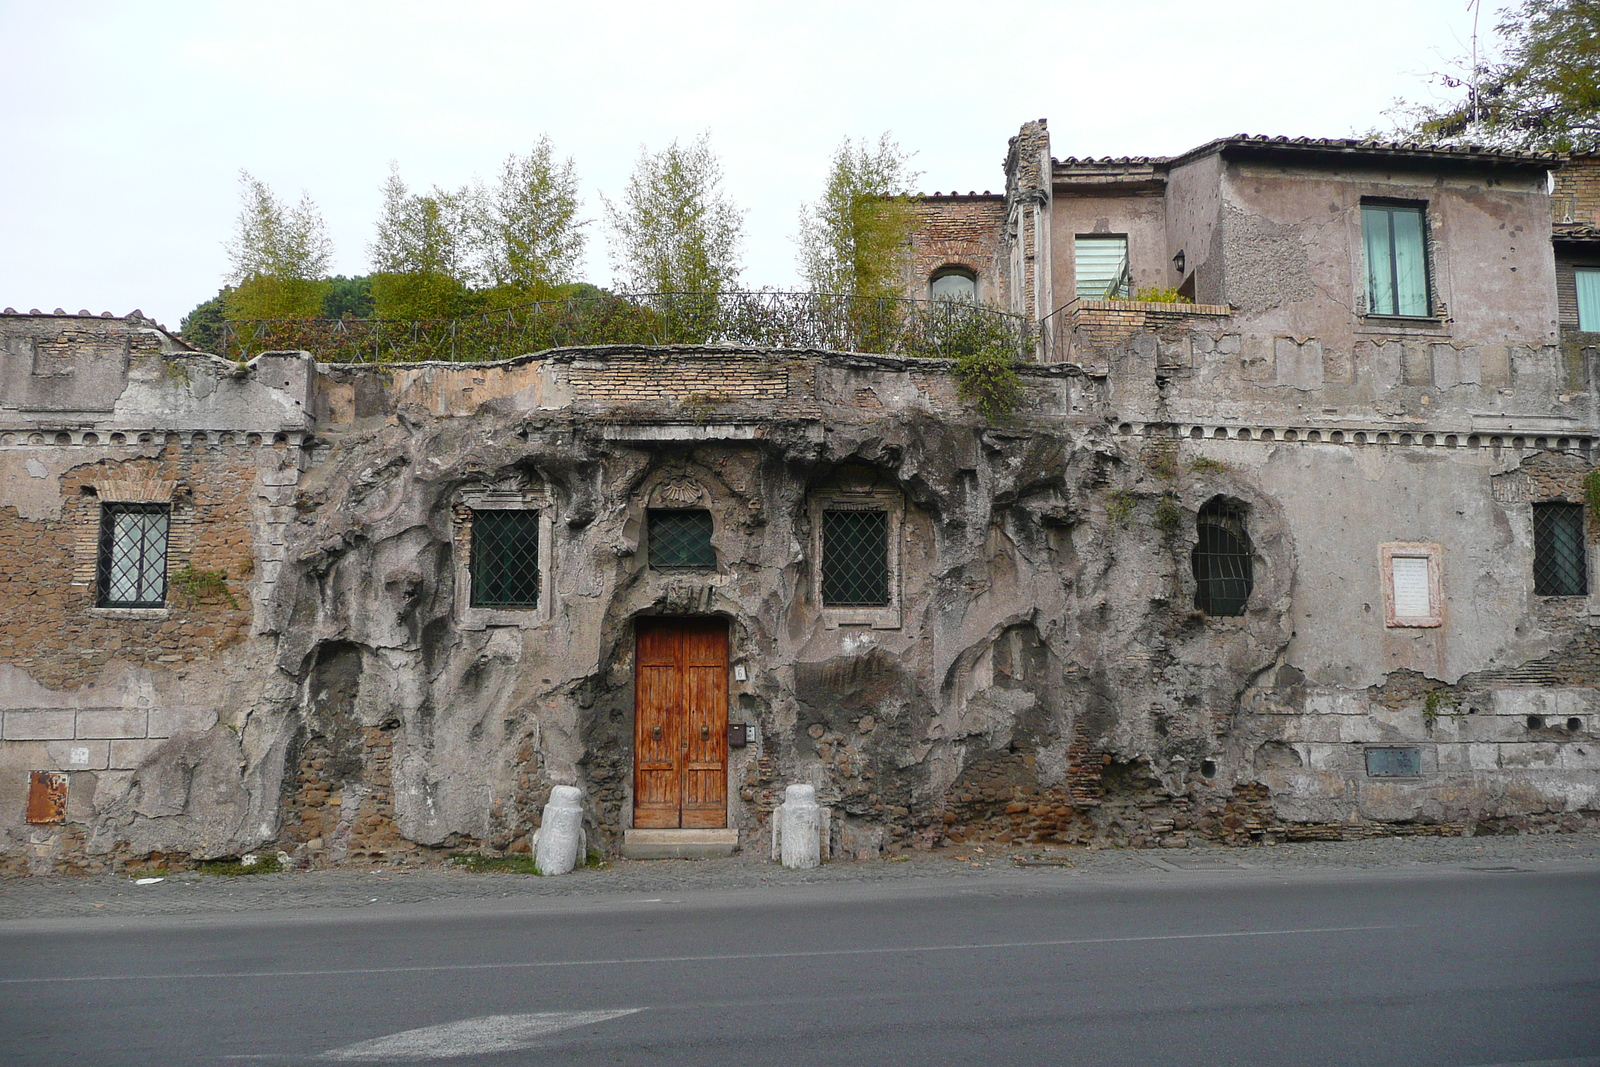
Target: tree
{"points": [[279, 256], [674, 229], [854, 240], [203, 327], [1542, 92], [423, 252], [530, 233]]}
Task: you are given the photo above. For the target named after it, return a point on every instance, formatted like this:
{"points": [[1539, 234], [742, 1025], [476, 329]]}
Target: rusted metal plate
{"points": [[47, 797]]}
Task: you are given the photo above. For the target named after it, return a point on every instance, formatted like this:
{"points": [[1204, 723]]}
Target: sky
{"points": [[126, 125]]}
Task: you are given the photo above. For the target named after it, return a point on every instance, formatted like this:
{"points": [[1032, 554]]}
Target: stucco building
{"points": [[1309, 555]]}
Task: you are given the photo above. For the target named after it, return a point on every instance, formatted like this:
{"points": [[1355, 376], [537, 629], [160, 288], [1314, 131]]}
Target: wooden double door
{"points": [[680, 731]]}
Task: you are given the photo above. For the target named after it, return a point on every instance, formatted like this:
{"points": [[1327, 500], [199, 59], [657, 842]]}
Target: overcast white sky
{"points": [[125, 125]]}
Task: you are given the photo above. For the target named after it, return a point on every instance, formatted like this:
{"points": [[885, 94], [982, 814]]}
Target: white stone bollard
{"points": [[560, 843], [797, 828]]}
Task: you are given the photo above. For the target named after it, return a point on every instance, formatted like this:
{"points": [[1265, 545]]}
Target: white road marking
{"points": [[469, 1037], [720, 958]]}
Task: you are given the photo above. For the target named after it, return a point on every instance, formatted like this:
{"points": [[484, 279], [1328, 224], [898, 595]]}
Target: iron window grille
{"points": [[680, 538], [855, 559], [131, 569], [1559, 566], [505, 559], [1224, 572]]}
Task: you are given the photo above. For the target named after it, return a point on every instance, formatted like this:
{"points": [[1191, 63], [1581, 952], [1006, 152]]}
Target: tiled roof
{"points": [[1361, 147]]}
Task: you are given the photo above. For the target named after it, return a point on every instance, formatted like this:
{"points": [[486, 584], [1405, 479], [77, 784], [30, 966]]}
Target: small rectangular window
{"points": [[855, 559], [1588, 299], [680, 538], [1397, 260], [1101, 267], [505, 559], [1559, 567], [1394, 763], [132, 568]]}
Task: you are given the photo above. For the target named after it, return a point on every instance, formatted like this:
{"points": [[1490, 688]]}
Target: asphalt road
{"points": [[1453, 968]]}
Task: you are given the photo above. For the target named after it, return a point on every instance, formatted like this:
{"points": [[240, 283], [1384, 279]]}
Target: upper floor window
{"points": [[680, 538], [1559, 567], [1588, 298], [1100, 267], [954, 283], [1224, 572], [505, 559], [132, 568], [1393, 237]]}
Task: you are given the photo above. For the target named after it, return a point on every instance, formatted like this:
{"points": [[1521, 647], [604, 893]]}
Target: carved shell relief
{"points": [[679, 493]]}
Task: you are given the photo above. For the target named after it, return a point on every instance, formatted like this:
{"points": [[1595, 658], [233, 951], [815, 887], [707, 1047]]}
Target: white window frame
{"points": [[1425, 550], [508, 495]]}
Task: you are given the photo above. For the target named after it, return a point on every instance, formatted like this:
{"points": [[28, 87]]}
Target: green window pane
{"points": [[1559, 567], [1589, 300], [505, 559], [1394, 241], [855, 559], [680, 538]]}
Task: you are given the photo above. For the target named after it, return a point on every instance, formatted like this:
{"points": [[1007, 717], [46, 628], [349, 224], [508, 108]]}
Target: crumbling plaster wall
{"points": [[1141, 217]]}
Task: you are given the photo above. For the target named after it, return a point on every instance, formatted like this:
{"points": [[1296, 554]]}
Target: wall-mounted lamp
{"points": [[1177, 261]]}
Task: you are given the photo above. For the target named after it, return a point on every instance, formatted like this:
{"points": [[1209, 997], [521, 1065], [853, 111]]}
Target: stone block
{"points": [[39, 725], [1533, 754], [1483, 756], [79, 755], [1320, 757], [797, 828], [129, 754], [1585, 757], [166, 721], [112, 722], [560, 843], [1361, 729], [678, 844]]}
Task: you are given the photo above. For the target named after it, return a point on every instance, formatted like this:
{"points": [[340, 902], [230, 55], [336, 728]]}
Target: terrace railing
{"points": [[766, 319]]}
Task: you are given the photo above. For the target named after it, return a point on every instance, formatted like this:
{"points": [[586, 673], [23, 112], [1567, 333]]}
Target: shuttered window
{"points": [[1101, 267], [1588, 299], [1397, 260], [1559, 568], [132, 568]]}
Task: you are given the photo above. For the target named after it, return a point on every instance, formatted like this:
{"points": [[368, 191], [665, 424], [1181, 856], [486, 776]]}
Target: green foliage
{"points": [[1437, 703], [265, 864], [1591, 491], [674, 230], [1169, 514], [1207, 465], [856, 238], [279, 255], [530, 232], [202, 587], [1540, 92], [1161, 459], [1167, 295], [202, 327], [1119, 506], [480, 864], [350, 297]]}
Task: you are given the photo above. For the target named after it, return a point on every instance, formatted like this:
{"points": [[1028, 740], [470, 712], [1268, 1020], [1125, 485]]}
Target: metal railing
{"points": [[765, 319]]}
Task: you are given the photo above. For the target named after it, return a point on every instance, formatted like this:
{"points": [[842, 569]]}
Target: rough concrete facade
{"points": [[320, 678]]}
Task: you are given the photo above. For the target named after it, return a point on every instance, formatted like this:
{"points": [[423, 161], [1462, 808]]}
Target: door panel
{"points": [[681, 724]]}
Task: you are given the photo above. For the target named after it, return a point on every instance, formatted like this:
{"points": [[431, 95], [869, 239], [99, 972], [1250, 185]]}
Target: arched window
{"points": [[1223, 571], [953, 283]]}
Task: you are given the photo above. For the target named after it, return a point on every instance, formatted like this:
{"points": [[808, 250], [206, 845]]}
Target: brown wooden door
{"points": [[680, 731]]}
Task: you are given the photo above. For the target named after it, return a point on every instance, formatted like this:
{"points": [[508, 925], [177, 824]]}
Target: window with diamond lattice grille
{"points": [[1223, 570], [132, 568], [680, 538], [855, 559], [1559, 567], [505, 559]]}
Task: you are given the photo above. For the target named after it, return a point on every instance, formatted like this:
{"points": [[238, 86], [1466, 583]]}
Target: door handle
{"points": [[655, 733], [705, 732]]}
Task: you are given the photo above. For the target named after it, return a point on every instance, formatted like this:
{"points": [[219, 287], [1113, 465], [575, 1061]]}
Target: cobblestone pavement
{"points": [[355, 887]]}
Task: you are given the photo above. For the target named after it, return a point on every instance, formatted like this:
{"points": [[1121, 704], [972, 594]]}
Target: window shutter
{"points": [[1101, 267]]}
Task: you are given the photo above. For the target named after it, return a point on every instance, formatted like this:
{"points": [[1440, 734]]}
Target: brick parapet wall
{"points": [[1576, 198], [958, 232], [1101, 324]]}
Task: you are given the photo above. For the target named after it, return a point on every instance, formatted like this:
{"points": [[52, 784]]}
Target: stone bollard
{"points": [[797, 828], [560, 843]]}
